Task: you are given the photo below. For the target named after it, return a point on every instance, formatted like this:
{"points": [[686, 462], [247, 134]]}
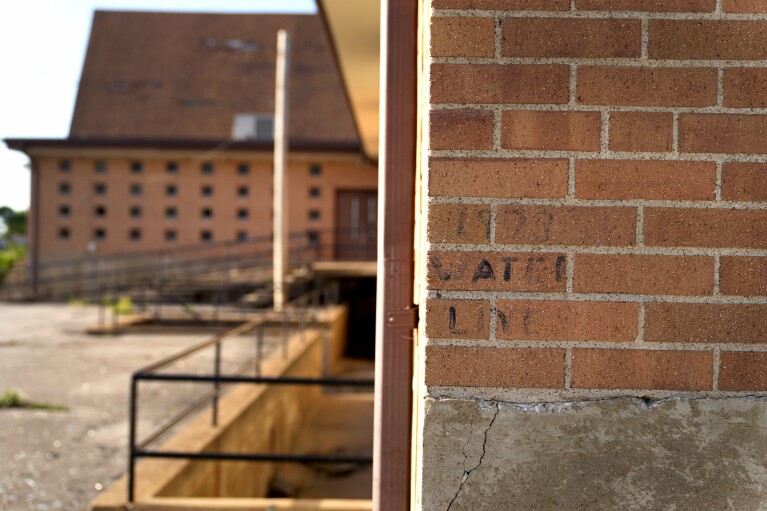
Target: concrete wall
{"points": [[252, 419], [338, 172], [595, 287], [263, 425]]}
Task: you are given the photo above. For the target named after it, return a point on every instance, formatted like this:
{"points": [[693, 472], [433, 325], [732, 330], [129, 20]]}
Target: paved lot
{"points": [[62, 459]]}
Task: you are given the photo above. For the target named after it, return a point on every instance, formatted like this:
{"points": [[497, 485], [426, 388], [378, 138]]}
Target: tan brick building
{"points": [[171, 138]]}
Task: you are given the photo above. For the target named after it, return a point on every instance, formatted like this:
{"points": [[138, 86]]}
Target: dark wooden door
{"points": [[356, 220]]}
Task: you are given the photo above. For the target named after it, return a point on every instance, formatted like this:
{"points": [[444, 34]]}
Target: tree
{"points": [[14, 222]]}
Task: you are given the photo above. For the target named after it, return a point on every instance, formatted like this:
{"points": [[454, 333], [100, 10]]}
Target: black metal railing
{"points": [[300, 311], [94, 276]]}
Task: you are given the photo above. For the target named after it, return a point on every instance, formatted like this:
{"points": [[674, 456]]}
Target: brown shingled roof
{"points": [[185, 75]]}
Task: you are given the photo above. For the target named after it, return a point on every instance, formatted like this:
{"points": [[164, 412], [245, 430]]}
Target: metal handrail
{"points": [[123, 270], [219, 381]]}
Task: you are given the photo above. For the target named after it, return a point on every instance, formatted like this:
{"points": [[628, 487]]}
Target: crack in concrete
{"points": [[465, 457], [645, 402], [468, 473]]}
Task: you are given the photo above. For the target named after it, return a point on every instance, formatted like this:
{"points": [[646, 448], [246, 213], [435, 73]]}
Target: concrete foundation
{"points": [[607, 454]]}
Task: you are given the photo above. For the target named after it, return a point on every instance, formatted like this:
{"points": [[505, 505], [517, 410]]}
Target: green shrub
{"points": [[121, 306], [11, 399], [124, 306], [9, 257]]}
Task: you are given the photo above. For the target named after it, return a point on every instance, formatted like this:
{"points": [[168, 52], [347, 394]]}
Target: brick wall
{"points": [[597, 195], [336, 172]]}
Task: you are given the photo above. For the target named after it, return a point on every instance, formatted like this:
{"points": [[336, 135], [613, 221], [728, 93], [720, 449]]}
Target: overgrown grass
{"points": [[12, 399], [9, 257], [122, 306]]}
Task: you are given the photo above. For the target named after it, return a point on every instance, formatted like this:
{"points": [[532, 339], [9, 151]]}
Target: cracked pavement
{"points": [[61, 459]]}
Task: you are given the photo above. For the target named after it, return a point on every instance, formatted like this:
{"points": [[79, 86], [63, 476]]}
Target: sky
{"points": [[42, 47]]}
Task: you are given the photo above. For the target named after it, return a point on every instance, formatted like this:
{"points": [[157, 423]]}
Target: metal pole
{"points": [[100, 298], [302, 319], [216, 383], [259, 347], [280, 245], [216, 298], [132, 439], [157, 288], [114, 310]]}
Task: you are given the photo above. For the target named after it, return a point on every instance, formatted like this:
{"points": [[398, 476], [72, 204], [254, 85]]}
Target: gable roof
{"points": [[185, 76]]}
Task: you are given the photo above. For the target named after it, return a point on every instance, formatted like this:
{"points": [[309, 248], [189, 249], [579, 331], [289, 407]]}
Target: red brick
{"points": [[645, 179], [500, 83], [504, 5], [742, 371], [458, 319], [744, 182], [744, 276], [744, 6], [708, 39], [459, 223], [723, 133], [720, 228], [641, 131], [507, 178], [461, 129], [745, 87], [644, 274], [462, 37], [642, 369], [525, 320], [647, 5], [497, 271], [495, 367], [566, 225], [569, 37], [553, 131], [646, 86], [706, 322]]}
